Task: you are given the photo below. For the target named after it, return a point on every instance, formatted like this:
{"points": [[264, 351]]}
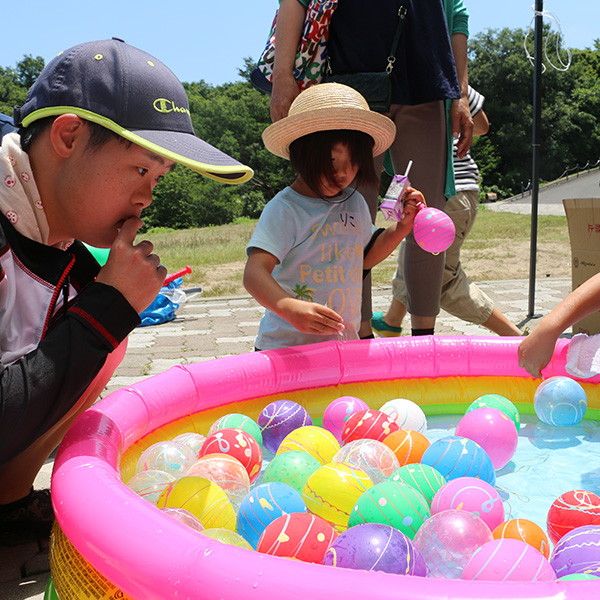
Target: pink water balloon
{"points": [[473, 495], [508, 560], [433, 230], [493, 430]]}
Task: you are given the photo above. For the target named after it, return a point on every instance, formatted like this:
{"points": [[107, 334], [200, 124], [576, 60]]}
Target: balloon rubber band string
{"points": [[560, 41]]}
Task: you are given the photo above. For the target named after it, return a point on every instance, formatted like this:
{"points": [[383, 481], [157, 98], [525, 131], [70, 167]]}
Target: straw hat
{"points": [[324, 107]]}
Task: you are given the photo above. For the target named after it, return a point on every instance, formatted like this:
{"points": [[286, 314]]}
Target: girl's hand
{"points": [[412, 200], [310, 317]]}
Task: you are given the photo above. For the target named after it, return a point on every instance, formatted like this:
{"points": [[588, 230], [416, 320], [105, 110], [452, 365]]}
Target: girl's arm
{"points": [[536, 350], [388, 241], [308, 317]]}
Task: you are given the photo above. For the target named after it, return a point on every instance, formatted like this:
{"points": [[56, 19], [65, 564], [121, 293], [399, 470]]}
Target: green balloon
{"points": [[577, 576], [100, 254], [501, 403], [423, 478], [293, 467], [50, 593], [391, 503], [238, 421]]}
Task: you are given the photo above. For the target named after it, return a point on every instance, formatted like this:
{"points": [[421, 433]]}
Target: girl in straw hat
{"points": [[315, 238]]}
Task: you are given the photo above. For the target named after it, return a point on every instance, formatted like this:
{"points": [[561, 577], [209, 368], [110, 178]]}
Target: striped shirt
{"points": [[466, 171]]}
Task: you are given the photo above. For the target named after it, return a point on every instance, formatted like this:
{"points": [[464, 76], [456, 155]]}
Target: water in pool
{"points": [[548, 462]]}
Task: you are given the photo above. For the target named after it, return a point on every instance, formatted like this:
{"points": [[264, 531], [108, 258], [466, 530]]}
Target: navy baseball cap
{"points": [[133, 94]]}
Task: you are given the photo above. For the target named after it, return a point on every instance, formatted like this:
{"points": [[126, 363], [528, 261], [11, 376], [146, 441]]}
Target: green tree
{"points": [[230, 117], [29, 69], [14, 82], [570, 133]]}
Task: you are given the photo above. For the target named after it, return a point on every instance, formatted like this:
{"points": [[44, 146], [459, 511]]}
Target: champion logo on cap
{"points": [[167, 106]]}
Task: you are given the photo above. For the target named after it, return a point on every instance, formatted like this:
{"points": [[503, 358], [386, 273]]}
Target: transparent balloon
{"points": [[184, 516], [227, 472], [448, 539], [191, 439], [375, 458], [172, 457], [150, 484]]}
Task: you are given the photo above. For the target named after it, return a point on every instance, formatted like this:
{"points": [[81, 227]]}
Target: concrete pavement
{"points": [[208, 328], [551, 195]]}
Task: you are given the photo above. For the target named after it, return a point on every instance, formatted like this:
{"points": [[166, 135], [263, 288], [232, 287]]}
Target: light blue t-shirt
{"points": [[319, 246]]}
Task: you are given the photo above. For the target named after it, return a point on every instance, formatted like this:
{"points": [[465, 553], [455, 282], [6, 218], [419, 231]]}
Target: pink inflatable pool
{"points": [[149, 556]]}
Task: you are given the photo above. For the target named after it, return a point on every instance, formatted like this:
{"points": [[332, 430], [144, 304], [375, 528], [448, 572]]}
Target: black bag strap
{"points": [[402, 11]]}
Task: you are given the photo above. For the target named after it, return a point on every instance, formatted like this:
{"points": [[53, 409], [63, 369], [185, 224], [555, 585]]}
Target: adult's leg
{"points": [[371, 195], [460, 296], [17, 476], [462, 211], [422, 138]]}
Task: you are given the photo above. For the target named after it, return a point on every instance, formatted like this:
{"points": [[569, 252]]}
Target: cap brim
{"points": [[180, 147], [279, 135], [192, 152]]}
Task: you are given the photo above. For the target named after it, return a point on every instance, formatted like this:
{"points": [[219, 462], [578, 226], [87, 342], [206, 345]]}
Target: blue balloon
{"points": [[455, 456], [560, 401], [265, 503]]}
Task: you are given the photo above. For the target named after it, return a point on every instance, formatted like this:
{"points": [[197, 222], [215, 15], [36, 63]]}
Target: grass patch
{"points": [[493, 250]]}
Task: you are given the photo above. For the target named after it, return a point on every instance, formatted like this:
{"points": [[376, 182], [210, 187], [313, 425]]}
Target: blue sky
{"points": [[208, 39]]}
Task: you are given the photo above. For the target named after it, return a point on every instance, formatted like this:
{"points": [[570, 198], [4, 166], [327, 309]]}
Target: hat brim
{"points": [[279, 135], [180, 147]]}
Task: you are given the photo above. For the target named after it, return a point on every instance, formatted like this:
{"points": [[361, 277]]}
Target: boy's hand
{"points": [[311, 317], [133, 269]]}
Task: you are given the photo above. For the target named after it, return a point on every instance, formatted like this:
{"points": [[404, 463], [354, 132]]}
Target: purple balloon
{"points": [[375, 547], [279, 418], [578, 551]]}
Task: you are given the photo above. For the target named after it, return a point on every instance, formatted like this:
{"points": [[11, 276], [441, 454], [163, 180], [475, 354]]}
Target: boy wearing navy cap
{"points": [[98, 130]]}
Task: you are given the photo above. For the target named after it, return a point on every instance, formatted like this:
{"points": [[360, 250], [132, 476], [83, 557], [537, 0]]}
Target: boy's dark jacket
{"points": [[65, 346]]}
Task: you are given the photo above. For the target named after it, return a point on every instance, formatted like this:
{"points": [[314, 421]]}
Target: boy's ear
{"points": [[67, 132]]}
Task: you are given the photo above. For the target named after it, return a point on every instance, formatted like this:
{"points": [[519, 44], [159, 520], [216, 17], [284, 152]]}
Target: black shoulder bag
{"points": [[376, 88]]}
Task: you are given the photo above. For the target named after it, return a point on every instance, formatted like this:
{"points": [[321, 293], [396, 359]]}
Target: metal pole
{"points": [[535, 183]]}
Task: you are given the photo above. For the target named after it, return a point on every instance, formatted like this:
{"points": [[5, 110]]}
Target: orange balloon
{"points": [[525, 531], [407, 445]]}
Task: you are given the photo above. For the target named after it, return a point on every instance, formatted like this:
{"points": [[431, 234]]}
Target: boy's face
{"points": [[100, 188]]}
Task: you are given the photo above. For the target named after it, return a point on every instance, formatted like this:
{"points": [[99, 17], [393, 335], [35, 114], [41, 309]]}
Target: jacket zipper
{"points": [[62, 286]]}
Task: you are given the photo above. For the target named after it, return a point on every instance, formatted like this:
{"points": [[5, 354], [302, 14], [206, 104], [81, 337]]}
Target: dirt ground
{"points": [[499, 261]]}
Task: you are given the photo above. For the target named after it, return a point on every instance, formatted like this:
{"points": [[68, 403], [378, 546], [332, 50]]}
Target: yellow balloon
{"points": [[332, 491], [316, 441], [203, 498]]}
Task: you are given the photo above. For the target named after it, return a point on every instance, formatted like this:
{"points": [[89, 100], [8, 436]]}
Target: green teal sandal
{"points": [[381, 328]]}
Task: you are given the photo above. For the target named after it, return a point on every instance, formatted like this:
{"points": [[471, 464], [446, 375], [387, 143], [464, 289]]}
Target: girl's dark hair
{"points": [[98, 135], [310, 156]]}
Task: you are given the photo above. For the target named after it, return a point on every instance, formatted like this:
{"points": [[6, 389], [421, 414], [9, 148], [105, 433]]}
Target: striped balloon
{"points": [[434, 230], [508, 559], [572, 509]]}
